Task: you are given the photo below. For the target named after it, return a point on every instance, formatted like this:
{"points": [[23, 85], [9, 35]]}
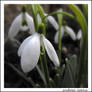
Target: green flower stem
{"points": [[41, 63], [23, 15], [41, 12], [34, 12], [24, 8], [44, 67], [84, 43], [41, 74], [64, 13], [38, 28], [46, 70], [43, 28], [59, 37]]}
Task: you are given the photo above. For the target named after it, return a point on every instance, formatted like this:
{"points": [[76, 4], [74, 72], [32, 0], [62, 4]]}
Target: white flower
{"points": [[66, 29], [49, 19], [30, 51], [16, 25]]}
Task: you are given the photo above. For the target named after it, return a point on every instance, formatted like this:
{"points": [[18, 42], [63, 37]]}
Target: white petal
{"points": [[30, 23], [51, 51], [39, 19], [24, 28], [53, 22], [70, 32], [30, 54], [57, 34], [79, 35], [15, 26], [24, 43]]}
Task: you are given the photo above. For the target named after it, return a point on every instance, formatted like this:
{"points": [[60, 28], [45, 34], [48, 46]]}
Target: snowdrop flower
{"points": [[29, 51], [49, 19], [66, 29], [17, 25]]}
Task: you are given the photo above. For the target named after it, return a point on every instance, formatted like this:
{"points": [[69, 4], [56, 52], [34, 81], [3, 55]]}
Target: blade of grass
{"points": [[43, 27], [59, 37], [80, 17], [69, 70], [46, 70], [41, 74], [41, 12], [63, 13], [85, 10], [34, 12], [84, 41]]}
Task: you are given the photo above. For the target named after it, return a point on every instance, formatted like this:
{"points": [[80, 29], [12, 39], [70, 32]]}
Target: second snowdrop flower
{"points": [[22, 22], [66, 29], [30, 51]]}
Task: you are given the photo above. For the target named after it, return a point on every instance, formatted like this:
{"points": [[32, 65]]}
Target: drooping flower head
{"points": [[22, 22], [64, 29], [30, 51]]}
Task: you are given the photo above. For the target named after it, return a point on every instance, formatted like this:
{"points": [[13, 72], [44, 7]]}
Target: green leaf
{"points": [[41, 74], [59, 76], [34, 12], [80, 17], [70, 72], [84, 43], [60, 24], [85, 10], [73, 65], [41, 12], [68, 81], [63, 13], [24, 8], [59, 37], [59, 18]]}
